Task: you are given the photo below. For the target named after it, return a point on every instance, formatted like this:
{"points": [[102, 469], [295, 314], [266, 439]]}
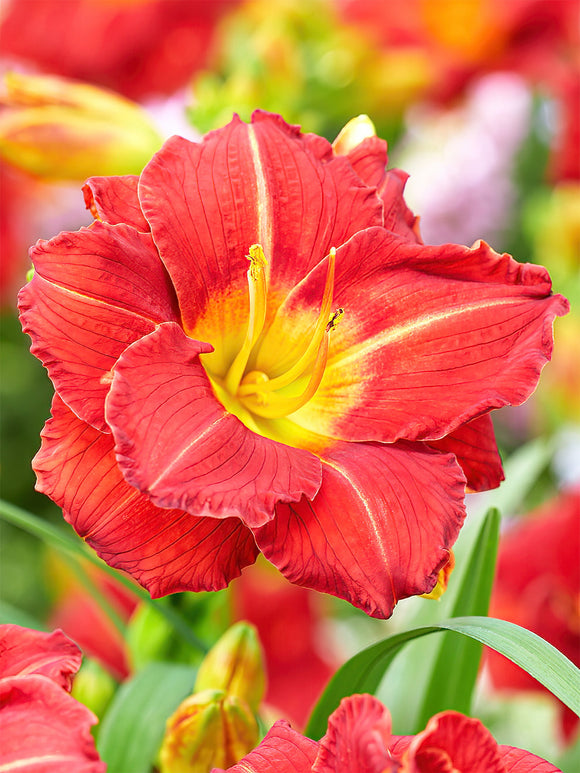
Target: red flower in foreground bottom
{"points": [[42, 727], [359, 740], [323, 406]]}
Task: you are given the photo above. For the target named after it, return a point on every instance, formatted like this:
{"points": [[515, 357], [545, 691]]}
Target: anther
{"points": [[335, 319]]}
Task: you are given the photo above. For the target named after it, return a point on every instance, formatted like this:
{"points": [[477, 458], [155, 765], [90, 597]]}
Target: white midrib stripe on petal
{"points": [[197, 439], [265, 225]]}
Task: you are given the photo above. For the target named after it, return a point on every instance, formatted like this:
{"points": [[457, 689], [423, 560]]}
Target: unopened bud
{"points": [[58, 129], [235, 664], [352, 134], [209, 729]]}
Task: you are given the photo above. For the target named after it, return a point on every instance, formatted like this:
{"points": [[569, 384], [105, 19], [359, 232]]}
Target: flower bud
{"points": [[209, 729], [235, 664], [352, 134], [58, 129]]}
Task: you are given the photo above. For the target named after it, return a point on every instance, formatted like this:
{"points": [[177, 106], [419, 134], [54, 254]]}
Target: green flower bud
{"points": [[235, 664], [209, 729]]}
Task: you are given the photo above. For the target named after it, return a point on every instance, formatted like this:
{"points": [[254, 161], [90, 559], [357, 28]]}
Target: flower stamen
{"points": [[255, 381], [271, 405]]}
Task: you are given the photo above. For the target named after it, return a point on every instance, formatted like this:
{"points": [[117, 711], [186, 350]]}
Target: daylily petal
{"points": [[261, 183], [44, 729], [476, 451], [283, 750], [452, 741], [180, 447], [114, 200], [86, 623], [357, 738], [431, 338], [520, 761], [379, 529], [165, 550], [369, 161], [93, 293], [24, 651], [398, 216]]}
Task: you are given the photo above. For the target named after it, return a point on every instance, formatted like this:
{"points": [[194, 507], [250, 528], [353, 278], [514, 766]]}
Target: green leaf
{"points": [[133, 727], [569, 761], [522, 470], [443, 670], [364, 671], [454, 665], [529, 651]]}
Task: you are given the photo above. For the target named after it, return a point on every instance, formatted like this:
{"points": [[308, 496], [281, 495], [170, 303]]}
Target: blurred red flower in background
{"points": [[205, 411], [42, 727], [359, 740], [83, 619], [539, 39], [289, 622], [136, 47], [537, 586]]}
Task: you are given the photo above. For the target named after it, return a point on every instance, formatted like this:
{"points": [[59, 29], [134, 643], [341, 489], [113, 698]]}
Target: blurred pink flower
{"points": [[470, 151]]}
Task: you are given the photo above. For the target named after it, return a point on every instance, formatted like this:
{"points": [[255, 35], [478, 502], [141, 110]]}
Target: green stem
{"points": [[59, 539]]}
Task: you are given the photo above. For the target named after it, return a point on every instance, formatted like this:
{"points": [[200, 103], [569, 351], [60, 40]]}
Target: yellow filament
{"points": [[257, 291], [274, 406], [256, 382]]}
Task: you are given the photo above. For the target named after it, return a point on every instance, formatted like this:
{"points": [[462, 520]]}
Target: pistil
{"points": [[257, 291]]}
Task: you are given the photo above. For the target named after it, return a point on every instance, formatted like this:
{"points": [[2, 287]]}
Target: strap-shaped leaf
{"points": [[133, 727], [443, 670], [455, 660], [364, 671]]}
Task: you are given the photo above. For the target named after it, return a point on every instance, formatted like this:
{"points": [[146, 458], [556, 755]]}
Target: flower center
{"points": [[287, 392]]}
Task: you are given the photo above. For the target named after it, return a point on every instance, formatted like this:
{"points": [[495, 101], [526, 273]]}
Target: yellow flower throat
{"points": [[254, 389]]}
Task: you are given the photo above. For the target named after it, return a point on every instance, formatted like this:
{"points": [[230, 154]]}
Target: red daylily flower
{"points": [[537, 586], [359, 740], [41, 725], [323, 406], [144, 47]]}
